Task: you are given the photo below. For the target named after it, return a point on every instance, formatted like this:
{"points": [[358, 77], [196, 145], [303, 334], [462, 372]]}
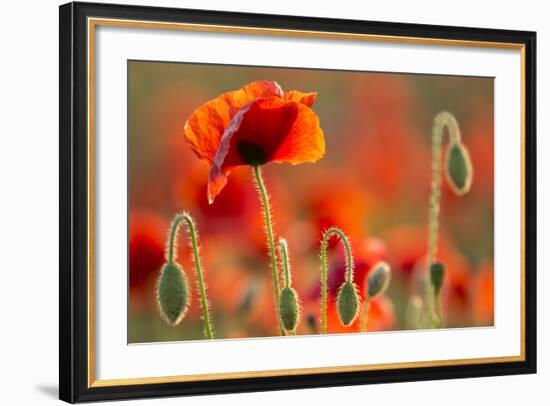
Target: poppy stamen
{"points": [[251, 153]]}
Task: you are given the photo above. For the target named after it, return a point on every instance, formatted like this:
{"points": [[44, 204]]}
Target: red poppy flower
{"points": [[254, 125]]}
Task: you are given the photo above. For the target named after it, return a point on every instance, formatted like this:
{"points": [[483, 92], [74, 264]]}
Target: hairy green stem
{"points": [[283, 253], [262, 191], [333, 231], [365, 314], [441, 120], [193, 238], [414, 313], [438, 321]]}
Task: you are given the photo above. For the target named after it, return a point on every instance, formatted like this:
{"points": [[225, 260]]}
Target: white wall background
{"points": [[29, 202]]}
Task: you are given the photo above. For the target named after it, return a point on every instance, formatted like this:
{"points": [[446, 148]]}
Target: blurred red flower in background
{"points": [[483, 305], [330, 199], [146, 253], [391, 160], [407, 257]]}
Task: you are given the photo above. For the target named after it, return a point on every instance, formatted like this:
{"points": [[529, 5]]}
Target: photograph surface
{"points": [[280, 201]]}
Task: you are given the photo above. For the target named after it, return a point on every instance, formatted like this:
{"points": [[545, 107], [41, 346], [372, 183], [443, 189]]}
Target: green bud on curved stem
{"points": [[289, 309], [333, 231], [172, 293], [347, 303], [171, 258], [459, 174], [458, 168]]}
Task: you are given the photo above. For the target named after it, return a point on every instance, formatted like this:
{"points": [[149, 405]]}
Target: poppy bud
{"points": [[348, 303], [437, 274], [289, 310], [459, 168], [172, 293], [378, 279]]}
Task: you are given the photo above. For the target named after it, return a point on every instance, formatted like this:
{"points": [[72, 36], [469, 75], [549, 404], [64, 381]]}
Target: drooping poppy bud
{"points": [[437, 274], [378, 279], [347, 303], [289, 309], [173, 293], [459, 168]]}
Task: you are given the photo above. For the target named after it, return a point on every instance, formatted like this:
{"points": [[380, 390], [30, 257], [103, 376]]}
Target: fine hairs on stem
{"points": [[171, 257], [347, 290], [289, 306], [264, 198], [364, 317], [459, 174], [285, 262]]}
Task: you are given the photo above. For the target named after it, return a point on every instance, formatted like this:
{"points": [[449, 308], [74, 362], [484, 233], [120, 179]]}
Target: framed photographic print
{"points": [[257, 202]]}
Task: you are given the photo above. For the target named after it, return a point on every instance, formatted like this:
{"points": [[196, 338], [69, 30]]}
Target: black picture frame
{"points": [[73, 284]]}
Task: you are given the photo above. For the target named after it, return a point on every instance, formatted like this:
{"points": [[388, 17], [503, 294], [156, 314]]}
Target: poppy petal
{"points": [[305, 142], [305, 98], [254, 90], [217, 179], [205, 127], [267, 130]]}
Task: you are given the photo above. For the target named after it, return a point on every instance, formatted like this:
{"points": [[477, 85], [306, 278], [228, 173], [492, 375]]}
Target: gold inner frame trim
{"points": [[94, 22]]}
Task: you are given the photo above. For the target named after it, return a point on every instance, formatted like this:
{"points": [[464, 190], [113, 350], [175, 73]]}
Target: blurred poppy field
{"points": [[373, 181]]}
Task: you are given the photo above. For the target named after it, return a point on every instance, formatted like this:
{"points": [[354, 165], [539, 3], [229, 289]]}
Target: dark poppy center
{"points": [[250, 153]]}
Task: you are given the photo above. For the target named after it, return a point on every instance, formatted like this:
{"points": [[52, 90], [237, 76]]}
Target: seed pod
{"points": [[289, 310], [459, 170], [173, 293], [347, 303], [437, 274], [378, 279]]}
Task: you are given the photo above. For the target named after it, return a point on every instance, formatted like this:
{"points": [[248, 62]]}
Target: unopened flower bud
{"points": [[437, 274], [289, 309], [173, 293], [347, 303], [378, 279], [459, 168]]}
